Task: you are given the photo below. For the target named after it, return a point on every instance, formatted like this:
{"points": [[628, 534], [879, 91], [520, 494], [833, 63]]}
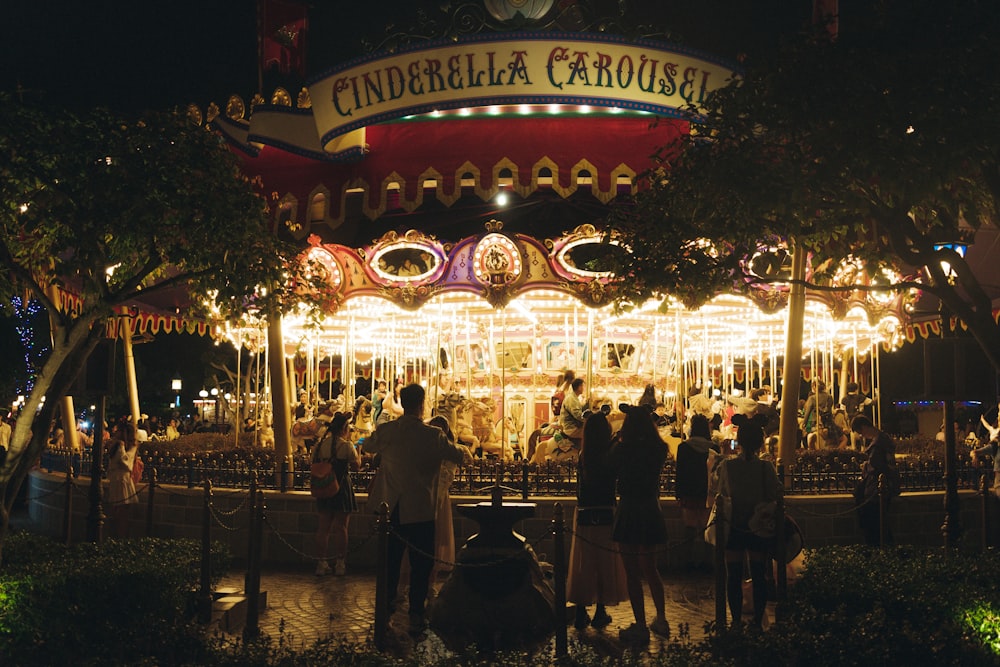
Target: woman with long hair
{"points": [[692, 489], [639, 527], [121, 489], [596, 572], [335, 512], [747, 480]]}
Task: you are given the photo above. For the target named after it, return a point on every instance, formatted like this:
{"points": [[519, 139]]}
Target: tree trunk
{"points": [[70, 348]]}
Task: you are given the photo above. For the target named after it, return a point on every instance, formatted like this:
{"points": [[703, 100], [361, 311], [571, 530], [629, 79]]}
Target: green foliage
{"points": [[858, 605], [875, 146], [113, 603], [157, 197]]}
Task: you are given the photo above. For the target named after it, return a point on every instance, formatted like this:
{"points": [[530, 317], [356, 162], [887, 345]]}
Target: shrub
{"points": [[859, 605], [107, 604]]}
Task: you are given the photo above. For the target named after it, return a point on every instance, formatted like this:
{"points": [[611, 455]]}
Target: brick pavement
{"points": [[309, 608]]}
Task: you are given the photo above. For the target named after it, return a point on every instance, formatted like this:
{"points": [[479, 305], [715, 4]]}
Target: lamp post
{"points": [[175, 385], [951, 528], [215, 404], [203, 394]]}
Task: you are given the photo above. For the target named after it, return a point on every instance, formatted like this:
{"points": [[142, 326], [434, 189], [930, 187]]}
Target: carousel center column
{"points": [[788, 435], [280, 400]]}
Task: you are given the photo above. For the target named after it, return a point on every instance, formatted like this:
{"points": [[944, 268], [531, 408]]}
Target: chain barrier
{"points": [[215, 515], [831, 515], [228, 513], [351, 549]]}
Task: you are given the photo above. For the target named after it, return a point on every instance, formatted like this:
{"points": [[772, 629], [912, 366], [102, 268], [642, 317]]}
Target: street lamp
{"points": [[951, 528], [175, 385], [204, 395]]}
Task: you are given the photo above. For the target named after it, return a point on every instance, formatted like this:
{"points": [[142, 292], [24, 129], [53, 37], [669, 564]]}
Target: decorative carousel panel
{"points": [[322, 278], [410, 258], [585, 253], [561, 355]]}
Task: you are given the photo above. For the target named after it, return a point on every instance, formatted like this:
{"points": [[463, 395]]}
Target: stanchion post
{"points": [[205, 591], [525, 476], [984, 497], [382, 576], [251, 630], [780, 559], [283, 483], [95, 516], [719, 556], [68, 507], [150, 501], [190, 473], [883, 520], [251, 547], [559, 575]]}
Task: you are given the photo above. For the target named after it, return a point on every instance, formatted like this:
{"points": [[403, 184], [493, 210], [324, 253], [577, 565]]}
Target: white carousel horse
{"points": [[507, 428], [994, 432], [265, 430]]}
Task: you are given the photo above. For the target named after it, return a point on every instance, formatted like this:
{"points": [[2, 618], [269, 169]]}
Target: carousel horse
{"points": [[304, 429], [994, 432], [480, 420], [507, 428], [265, 430], [463, 426], [448, 405], [549, 443], [361, 423]]}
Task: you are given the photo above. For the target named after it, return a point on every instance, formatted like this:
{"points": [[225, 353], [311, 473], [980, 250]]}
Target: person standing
{"points": [[747, 480], [596, 571], [881, 453], [571, 415], [121, 489], [817, 418], [639, 527], [692, 489], [335, 512], [411, 453]]}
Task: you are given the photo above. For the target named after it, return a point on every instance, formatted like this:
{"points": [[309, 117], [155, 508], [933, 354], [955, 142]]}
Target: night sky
{"points": [[150, 54]]}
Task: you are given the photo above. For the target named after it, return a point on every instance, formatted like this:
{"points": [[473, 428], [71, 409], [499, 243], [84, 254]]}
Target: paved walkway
{"points": [[309, 608]]}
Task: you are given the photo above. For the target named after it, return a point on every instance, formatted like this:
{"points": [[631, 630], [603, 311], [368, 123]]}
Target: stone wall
{"points": [[291, 521]]}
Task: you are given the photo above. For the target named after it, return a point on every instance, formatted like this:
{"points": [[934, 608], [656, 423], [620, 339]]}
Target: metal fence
{"points": [[518, 478]]}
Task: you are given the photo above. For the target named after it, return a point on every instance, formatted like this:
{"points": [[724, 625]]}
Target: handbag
{"points": [[718, 520], [323, 482], [137, 468]]}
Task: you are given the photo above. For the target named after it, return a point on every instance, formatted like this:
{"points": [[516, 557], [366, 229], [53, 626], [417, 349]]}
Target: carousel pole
{"points": [[133, 386], [656, 345], [468, 356], [237, 390], [503, 388], [590, 355], [788, 434], [280, 403], [436, 359], [877, 383]]}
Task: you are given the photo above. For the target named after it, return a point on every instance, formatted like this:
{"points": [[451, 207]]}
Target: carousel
{"points": [[448, 195], [489, 324]]}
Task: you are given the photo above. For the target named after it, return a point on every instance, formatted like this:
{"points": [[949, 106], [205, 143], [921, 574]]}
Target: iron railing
{"points": [[232, 470]]}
